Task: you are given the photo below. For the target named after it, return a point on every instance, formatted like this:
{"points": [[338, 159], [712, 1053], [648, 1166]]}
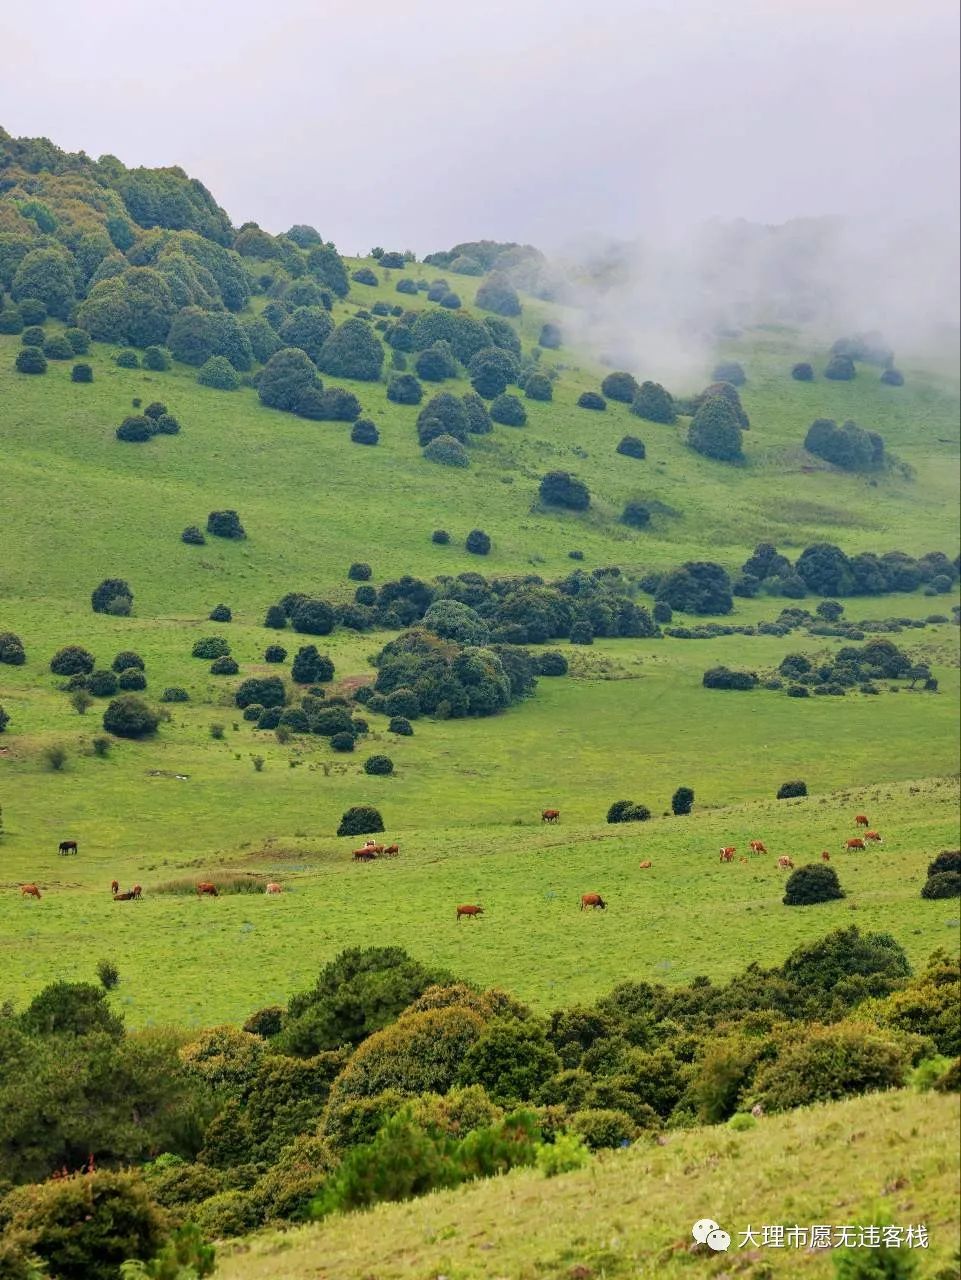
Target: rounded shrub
{"points": [[404, 388], [602, 1127], [132, 680], [11, 320], [662, 612], [551, 663], [135, 429], [360, 820], [31, 360], [943, 884], [791, 790], [840, 368], [219, 373], [364, 432], [102, 684], [157, 359], [436, 363], [342, 742], [715, 431], [58, 348], [275, 653], [632, 447], [401, 726], [682, 801], [628, 811], [446, 451], [636, 515], [127, 359], [210, 647], [892, 378], [477, 543], [402, 702], [582, 632], [270, 718], [561, 489], [129, 717], [366, 596], [591, 400], [266, 691], [225, 524], [225, 666], [193, 536], [285, 377], [380, 766], [441, 537], [813, 883], [538, 387], [550, 336], [253, 712], [81, 373], [653, 403], [72, 660], [127, 659], [32, 311], [803, 371], [175, 694], [313, 618], [730, 371], [620, 386], [33, 336], [508, 411]]}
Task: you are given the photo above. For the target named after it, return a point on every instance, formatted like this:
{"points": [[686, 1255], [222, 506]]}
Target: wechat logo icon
{"points": [[706, 1231]]}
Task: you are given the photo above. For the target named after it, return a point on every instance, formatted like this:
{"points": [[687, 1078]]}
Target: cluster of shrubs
{"points": [[850, 668], [37, 347], [866, 348], [154, 421], [848, 446], [825, 570], [388, 1078]]}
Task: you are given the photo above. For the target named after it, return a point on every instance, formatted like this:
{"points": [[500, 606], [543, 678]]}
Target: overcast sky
{"points": [[418, 123]]}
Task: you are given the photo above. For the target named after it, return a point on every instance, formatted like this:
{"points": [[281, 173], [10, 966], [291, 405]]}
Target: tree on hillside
{"points": [[46, 274], [352, 351], [497, 294], [561, 489], [620, 386], [714, 431], [287, 375], [307, 328], [444, 414], [697, 587], [490, 370]]}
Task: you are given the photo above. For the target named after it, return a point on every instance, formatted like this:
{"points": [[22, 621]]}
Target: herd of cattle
{"points": [[371, 850]]}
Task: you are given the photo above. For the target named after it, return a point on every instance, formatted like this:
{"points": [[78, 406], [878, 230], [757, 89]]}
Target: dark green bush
{"points": [[551, 663], [436, 363], [447, 451], [364, 432], [287, 375], [275, 653], [731, 372], [508, 411], [360, 820], [359, 572], [620, 386], [379, 765], [58, 348], [444, 414], [402, 702], [33, 336], [175, 694], [225, 524], [403, 388], [132, 680], [892, 378], [715, 431], [71, 660], [724, 678], [81, 373], [803, 372], [441, 537], [220, 613], [311, 667], [591, 400], [129, 717], [840, 368], [135, 429], [342, 741], [632, 447], [31, 360], [943, 884], [550, 336], [267, 691], [313, 618], [308, 328], [538, 387], [352, 351], [225, 666], [628, 811], [270, 718], [210, 647], [636, 515], [128, 359], [193, 536], [219, 373], [789, 790], [602, 1127], [815, 882], [102, 684], [477, 543], [498, 295], [561, 489], [157, 359], [682, 801], [401, 726], [478, 419], [653, 403]]}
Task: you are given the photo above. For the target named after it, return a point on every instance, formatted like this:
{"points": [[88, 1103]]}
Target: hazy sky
{"points": [[418, 123]]}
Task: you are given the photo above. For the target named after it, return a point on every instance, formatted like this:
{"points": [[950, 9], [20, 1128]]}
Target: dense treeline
{"points": [[388, 1078]]}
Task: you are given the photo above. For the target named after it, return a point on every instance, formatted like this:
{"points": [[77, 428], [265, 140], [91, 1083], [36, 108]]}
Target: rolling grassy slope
{"points": [[887, 1157]]}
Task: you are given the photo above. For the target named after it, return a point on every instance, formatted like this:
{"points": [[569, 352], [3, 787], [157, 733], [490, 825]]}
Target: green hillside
{"points": [[863, 1161]]}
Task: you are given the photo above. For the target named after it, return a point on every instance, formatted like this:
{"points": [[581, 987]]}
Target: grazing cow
{"points": [[593, 900], [873, 835], [369, 844], [392, 851], [825, 856], [469, 910], [854, 843], [364, 855], [727, 855], [758, 846], [67, 846], [646, 865], [860, 820], [29, 891], [273, 887], [137, 892], [550, 815], [785, 864], [114, 886], [205, 887]]}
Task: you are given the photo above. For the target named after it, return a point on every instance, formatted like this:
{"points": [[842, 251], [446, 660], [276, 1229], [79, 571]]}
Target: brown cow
{"points": [[392, 851], [550, 815], [825, 856], [29, 891], [137, 892], [469, 910], [114, 886], [273, 887], [205, 887], [124, 897], [365, 855], [873, 835], [854, 843], [758, 846], [593, 900], [727, 855], [67, 846], [646, 865], [785, 864], [860, 820]]}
